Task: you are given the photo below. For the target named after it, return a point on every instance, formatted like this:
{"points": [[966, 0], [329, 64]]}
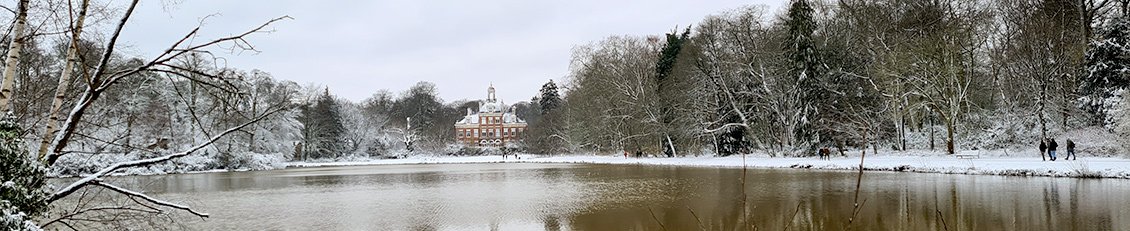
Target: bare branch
{"points": [[106, 171], [149, 198], [98, 85], [95, 209]]}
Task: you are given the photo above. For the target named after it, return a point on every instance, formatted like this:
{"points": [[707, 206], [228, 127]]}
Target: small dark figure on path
{"points": [[1071, 150], [1043, 147], [1051, 148]]}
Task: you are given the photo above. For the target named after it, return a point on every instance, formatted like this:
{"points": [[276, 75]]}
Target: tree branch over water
{"points": [[94, 178]]}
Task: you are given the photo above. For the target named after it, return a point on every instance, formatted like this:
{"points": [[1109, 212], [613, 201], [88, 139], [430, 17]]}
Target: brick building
{"points": [[494, 125]]}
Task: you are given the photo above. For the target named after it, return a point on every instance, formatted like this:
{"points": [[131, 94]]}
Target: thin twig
{"points": [[656, 219], [696, 218], [858, 184], [150, 199], [795, 211], [939, 216]]}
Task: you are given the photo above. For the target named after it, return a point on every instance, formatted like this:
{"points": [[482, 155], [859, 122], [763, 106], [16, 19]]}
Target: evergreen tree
{"points": [[668, 55], [322, 127], [22, 194], [804, 63], [1108, 69], [549, 99], [800, 47], [664, 84]]}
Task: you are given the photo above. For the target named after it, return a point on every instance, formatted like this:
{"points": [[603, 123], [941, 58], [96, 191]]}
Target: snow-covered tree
{"points": [[549, 97], [1108, 68], [322, 127], [22, 180], [1121, 123], [668, 89]]}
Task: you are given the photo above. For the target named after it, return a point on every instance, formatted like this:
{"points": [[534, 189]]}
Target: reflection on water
{"points": [[624, 197]]}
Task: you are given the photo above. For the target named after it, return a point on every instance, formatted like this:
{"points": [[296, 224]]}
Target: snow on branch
{"points": [[149, 198], [725, 126], [100, 82], [92, 178]]}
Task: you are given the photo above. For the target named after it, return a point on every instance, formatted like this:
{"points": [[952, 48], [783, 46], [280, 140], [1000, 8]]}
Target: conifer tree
{"points": [[549, 99], [22, 194], [1107, 64]]}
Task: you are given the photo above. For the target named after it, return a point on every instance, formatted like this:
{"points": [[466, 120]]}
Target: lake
{"points": [[530, 196]]}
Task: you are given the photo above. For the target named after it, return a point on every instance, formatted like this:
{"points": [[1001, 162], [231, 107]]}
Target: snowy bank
{"points": [[1089, 167]]}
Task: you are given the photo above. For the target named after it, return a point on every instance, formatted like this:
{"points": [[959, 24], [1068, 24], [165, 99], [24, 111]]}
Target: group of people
{"points": [[1048, 146]]}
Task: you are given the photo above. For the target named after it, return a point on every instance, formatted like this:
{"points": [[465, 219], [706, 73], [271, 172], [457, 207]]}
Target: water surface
{"points": [[529, 196]]}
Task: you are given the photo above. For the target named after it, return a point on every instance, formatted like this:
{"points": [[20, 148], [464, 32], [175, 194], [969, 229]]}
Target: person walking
{"points": [[1051, 148], [1071, 150], [1043, 148]]}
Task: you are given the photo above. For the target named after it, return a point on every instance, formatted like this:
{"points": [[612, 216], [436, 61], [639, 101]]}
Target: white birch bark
{"points": [[12, 60]]}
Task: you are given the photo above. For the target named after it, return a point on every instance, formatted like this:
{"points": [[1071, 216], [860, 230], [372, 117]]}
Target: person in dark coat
{"points": [[1071, 150], [1043, 148], [1051, 148]]}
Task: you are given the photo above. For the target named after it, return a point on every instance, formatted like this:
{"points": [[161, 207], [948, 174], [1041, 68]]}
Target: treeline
{"points": [[151, 113], [896, 74]]}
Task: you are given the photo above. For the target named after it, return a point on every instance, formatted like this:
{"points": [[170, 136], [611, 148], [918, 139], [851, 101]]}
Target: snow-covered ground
{"points": [[991, 163]]}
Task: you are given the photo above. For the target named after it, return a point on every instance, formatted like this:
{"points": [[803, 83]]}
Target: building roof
{"points": [[491, 105]]}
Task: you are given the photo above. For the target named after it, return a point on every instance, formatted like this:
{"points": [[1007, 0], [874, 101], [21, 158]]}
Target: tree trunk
{"points": [[902, 132], [932, 136], [949, 137], [12, 61], [91, 93], [865, 142], [64, 81], [1043, 120], [671, 144]]}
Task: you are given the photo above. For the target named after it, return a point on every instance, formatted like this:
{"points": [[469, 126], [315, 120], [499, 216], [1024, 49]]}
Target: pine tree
{"points": [[664, 82], [800, 47], [322, 127], [549, 99], [804, 63], [1108, 69], [22, 194]]}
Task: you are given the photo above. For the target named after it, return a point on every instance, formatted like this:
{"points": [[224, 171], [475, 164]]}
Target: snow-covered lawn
{"points": [[926, 163]]}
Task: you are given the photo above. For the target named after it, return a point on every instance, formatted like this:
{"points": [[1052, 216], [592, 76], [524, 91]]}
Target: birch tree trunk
{"points": [[12, 61], [65, 80]]}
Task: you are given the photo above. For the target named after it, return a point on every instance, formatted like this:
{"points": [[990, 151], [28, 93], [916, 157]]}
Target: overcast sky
{"points": [[359, 47]]}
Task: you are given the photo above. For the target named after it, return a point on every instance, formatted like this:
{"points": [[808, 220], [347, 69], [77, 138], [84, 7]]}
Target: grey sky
{"points": [[359, 47]]}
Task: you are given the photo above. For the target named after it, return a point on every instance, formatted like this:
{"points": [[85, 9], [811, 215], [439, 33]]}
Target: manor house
{"points": [[494, 125]]}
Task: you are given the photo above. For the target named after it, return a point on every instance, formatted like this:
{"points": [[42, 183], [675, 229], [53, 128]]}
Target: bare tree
{"points": [[106, 77]]}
